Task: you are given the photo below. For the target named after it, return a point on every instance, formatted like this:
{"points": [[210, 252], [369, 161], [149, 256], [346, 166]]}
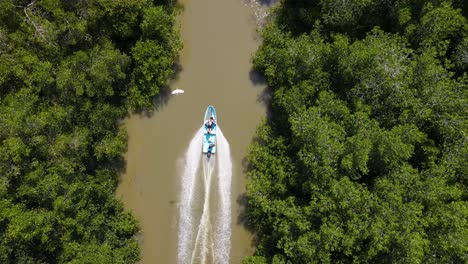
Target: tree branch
{"points": [[38, 28]]}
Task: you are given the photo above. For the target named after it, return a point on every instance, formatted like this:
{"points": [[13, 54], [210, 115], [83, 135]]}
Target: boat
{"points": [[209, 135]]}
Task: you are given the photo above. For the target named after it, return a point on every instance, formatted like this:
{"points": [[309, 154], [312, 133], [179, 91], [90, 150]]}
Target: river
{"points": [[219, 39]]}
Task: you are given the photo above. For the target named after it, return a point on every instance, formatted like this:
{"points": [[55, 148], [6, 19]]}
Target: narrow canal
{"points": [[219, 38]]}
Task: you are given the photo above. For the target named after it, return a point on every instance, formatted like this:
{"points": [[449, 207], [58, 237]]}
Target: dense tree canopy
{"points": [[69, 72], [364, 157]]}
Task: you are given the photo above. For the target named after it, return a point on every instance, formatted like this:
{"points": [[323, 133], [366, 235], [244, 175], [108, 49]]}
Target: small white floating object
{"points": [[178, 91]]}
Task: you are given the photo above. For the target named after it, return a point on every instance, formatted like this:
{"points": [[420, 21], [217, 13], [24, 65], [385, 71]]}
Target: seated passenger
{"points": [[209, 124]]}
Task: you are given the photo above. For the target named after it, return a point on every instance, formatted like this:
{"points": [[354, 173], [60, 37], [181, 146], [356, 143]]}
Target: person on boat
{"points": [[210, 123]]}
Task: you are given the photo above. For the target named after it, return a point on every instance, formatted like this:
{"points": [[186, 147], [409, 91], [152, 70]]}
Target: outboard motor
{"points": [[210, 148]]}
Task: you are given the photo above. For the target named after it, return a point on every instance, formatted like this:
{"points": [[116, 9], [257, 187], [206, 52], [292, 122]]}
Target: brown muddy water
{"points": [[219, 39]]}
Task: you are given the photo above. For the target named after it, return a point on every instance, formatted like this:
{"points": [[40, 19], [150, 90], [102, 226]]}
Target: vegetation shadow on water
{"points": [[163, 97], [264, 98]]}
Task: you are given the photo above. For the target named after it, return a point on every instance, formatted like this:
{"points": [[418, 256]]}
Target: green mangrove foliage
{"points": [[365, 156], [69, 72]]}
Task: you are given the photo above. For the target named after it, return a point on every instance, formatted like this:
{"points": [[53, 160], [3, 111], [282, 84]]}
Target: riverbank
{"points": [[219, 38]]}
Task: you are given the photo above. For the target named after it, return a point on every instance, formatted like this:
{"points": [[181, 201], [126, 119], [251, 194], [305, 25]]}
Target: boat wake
{"points": [[205, 204]]}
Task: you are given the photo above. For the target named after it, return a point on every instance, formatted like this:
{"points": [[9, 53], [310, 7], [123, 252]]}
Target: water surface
{"points": [[219, 38]]}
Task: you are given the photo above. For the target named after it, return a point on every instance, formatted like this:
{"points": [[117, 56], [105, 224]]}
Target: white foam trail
{"points": [[202, 241], [223, 232], [206, 242], [192, 161]]}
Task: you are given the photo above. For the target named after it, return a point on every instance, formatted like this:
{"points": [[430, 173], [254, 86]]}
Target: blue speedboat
{"points": [[210, 128]]}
